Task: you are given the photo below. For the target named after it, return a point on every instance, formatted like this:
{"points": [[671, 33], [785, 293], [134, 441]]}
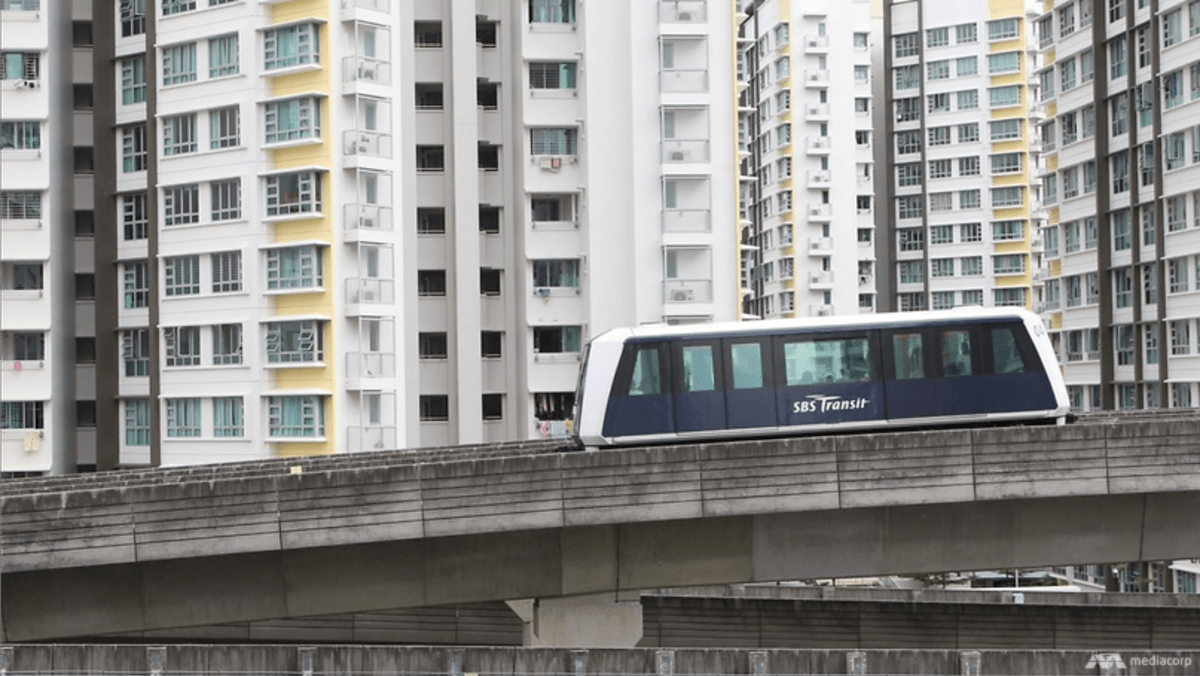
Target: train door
{"points": [[830, 378], [640, 401], [699, 396], [908, 357], [1016, 378], [960, 388], [749, 383]]}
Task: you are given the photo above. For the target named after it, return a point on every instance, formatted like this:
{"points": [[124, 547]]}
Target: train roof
{"points": [[879, 320]]}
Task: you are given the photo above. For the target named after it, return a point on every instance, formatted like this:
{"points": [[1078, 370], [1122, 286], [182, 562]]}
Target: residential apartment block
{"points": [[963, 192], [805, 137], [1120, 90], [336, 226]]}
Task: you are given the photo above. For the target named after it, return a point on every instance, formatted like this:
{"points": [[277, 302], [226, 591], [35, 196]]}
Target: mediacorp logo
{"points": [[1112, 662], [822, 403], [1106, 661]]}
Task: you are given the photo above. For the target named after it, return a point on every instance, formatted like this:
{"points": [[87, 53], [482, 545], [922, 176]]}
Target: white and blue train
{"points": [[665, 384]]}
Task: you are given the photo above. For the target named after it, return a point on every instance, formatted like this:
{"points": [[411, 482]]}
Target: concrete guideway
{"points": [[154, 555]]}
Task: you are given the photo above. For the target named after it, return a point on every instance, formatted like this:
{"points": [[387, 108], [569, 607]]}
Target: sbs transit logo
{"points": [[822, 403]]}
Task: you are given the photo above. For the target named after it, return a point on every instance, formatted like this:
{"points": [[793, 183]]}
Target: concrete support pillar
{"points": [[589, 621], [156, 661], [456, 662], [664, 662], [856, 663], [758, 662], [579, 662], [6, 660], [969, 661]]}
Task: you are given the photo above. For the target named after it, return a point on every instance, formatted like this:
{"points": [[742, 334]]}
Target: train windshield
{"points": [[583, 359]]}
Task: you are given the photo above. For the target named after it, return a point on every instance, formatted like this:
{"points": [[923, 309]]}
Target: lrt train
{"points": [[672, 384]]}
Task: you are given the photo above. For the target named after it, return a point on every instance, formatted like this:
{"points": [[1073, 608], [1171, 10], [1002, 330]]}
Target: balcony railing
{"points": [[684, 80], [360, 365], [371, 438], [365, 69], [368, 217], [820, 245], [367, 143], [685, 151], [682, 11], [687, 291], [370, 290], [687, 220]]}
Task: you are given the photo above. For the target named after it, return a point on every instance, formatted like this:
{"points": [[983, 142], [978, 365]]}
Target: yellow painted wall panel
{"points": [[302, 9], [1001, 9], [1011, 214], [1010, 247], [1052, 162], [1052, 109], [300, 449], [1056, 268], [1007, 79], [1008, 180], [1050, 55], [1009, 281], [1014, 45], [1054, 215], [1056, 321], [1014, 146]]}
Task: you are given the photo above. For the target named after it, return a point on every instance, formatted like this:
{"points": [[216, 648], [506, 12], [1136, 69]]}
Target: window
{"points": [[223, 56], [227, 272], [943, 267], [227, 344], [556, 339], [490, 281], [434, 407], [941, 234], [1045, 32], [943, 300], [20, 66], [1008, 163], [1066, 20], [1091, 233], [428, 34], [1008, 264], [1008, 298], [553, 141], [1177, 274], [224, 127], [1181, 336], [1004, 97], [29, 346], [294, 342], [938, 169], [938, 70], [170, 7], [292, 119], [182, 275], [133, 216], [1003, 29], [1172, 26], [1150, 283], [294, 193], [1066, 74], [1119, 106], [181, 204], [908, 142], [1006, 62], [1122, 281], [1123, 342], [969, 199], [1116, 57], [911, 302], [1149, 225], [909, 206], [133, 80], [941, 201], [908, 110], [862, 73], [135, 352], [22, 415], [1172, 88], [1001, 130], [1120, 171], [552, 11], [182, 345], [133, 148], [228, 413], [430, 158], [302, 416], [783, 69], [552, 75], [939, 136], [966, 65], [137, 284], [971, 266], [179, 134], [133, 18], [971, 232], [1093, 288], [493, 406], [911, 239], [907, 44], [21, 204], [908, 174], [968, 166], [431, 282], [1175, 150], [226, 199], [1070, 180], [965, 33], [21, 135], [179, 64], [432, 345], [939, 103], [967, 99], [1116, 10], [937, 37], [968, 133], [1008, 197], [289, 46], [1176, 213], [297, 267]]}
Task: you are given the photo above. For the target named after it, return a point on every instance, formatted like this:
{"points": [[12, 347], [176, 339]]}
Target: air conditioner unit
{"points": [[366, 72], [682, 296], [368, 223], [551, 163], [678, 156], [369, 295], [684, 16], [28, 84], [543, 291], [825, 310]]}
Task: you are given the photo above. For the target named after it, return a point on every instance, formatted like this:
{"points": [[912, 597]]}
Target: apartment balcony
{"points": [[819, 213], [361, 75], [371, 438], [360, 146], [820, 246], [687, 220], [368, 223], [816, 78], [371, 11], [364, 370], [682, 11], [817, 145], [821, 281], [819, 180], [491, 128], [820, 310], [30, 378], [370, 296], [1037, 113], [24, 309], [816, 112], [491, 187], [684, 80], [816, 44], [676, 151], [487, 62], [683, 291]]}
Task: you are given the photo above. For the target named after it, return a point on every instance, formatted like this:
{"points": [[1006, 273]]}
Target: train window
{"points": [[956, 353], [1005, 354], [838, 360], [747, 366], [907, 350], [698, 373], [647, 373]]}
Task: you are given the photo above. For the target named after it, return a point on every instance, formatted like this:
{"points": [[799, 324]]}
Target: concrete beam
{"points": [[547, 563]]}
